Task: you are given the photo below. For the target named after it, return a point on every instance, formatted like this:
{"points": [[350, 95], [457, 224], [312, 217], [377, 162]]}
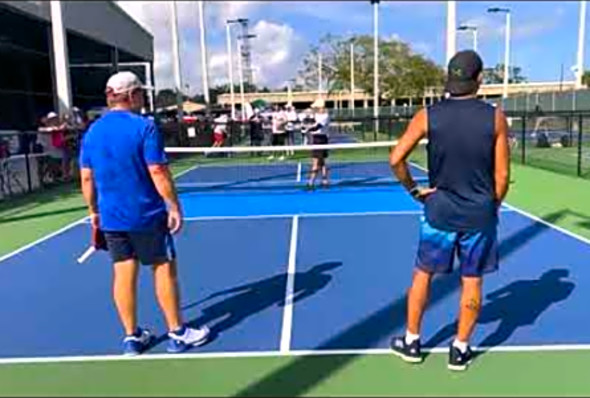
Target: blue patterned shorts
{"points": [[477, 252]]}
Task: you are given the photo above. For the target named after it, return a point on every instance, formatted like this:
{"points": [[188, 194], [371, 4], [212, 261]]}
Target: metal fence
{"points": [[557, 141], [26, 165]]}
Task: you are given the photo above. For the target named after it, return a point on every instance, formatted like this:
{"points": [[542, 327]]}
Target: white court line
{"points": [[42, 239], [299, 172], [311, 215], [64, 229], [292, 353], [548, 224], [287, 327], [535, 218]]}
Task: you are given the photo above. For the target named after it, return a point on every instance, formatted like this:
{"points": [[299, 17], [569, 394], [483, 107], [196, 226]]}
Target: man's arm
{"points": [[89, 194], [87, 181], [157, 162], [415, 131], [502, 157], [162, 178]]}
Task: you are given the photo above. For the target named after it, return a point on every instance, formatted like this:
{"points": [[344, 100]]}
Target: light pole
{"points": [[451, 26], [60, 59], [241, 73], [581, 34], [230, 68], [352, 75], [376, 62], [319, 73], [204, 67], [176, 62], [506, 47], [473, 30]]}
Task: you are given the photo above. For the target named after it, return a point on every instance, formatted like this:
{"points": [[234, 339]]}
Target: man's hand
{"points": [[420, 194], [174, 220], [94, 220]]}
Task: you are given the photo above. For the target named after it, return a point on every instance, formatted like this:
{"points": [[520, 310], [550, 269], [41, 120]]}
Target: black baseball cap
{"points": [[463, 71]]}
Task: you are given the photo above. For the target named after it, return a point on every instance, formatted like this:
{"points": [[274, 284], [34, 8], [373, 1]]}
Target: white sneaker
{"points": [[192, 337]]}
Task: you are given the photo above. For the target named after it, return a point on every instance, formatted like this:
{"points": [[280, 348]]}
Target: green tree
{"points": [[586, 78], [495, 75], [165, 97], [401, 70]]}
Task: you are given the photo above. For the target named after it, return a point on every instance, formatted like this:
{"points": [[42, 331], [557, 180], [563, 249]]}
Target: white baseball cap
{"points": [[51, 115], [123, 82]]}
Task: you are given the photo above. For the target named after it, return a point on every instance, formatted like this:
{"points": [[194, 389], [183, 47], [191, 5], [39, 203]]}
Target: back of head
{"points": [[124, 90], [464, 74]]}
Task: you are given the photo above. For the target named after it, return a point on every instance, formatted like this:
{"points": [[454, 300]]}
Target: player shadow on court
{"points": [[518, 304], [370, 330], [249, 299]]}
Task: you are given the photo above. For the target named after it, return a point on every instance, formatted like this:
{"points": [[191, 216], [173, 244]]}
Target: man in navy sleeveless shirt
{"points": [[469, 167]]}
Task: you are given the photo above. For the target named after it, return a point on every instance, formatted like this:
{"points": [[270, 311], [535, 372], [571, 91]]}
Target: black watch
{"points": [[415, 192]]}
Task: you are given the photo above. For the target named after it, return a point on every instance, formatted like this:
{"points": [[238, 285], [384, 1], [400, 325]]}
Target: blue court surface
{"points": [[273, 268]]}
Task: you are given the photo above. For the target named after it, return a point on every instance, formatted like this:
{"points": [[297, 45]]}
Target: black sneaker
{"points": [[408, 352], [459, 361]]}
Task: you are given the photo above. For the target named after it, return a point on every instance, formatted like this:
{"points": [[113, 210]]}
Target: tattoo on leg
{"points": [[472, 305]]}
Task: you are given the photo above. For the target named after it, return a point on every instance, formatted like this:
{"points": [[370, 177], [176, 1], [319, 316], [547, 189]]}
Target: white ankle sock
{"points": [[410, 337], [461, 345]]}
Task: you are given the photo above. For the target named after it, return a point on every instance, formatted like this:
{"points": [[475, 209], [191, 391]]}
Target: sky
{"points": [[544, 34]]}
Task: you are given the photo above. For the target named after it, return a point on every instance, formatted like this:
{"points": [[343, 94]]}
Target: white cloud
{"points": [[493, 28], [276, 51]]}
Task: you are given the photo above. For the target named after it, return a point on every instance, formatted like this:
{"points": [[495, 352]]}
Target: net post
{"points": [[580, 129]]}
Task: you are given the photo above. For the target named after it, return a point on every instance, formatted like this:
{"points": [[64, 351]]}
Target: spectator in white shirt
{"points": [[319, 136]]}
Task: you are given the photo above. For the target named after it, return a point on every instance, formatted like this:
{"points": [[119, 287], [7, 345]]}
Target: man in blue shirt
{"points": [[131, 197], [468, 169]]}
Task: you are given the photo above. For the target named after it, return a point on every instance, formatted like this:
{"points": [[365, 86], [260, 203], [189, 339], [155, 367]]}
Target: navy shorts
{"points": [[477, 251], [149, 247]]}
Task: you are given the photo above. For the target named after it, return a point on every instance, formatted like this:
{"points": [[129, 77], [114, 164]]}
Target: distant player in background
{"points": [[292, 125], [220, 130], [319, 136], [279, 122], [307, 122]]}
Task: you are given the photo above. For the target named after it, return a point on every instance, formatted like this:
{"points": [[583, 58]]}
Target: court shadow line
{"points": [[304, 372], [243, 301]]}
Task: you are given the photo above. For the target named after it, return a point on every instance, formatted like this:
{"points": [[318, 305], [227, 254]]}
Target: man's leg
{"points": [[435, 255], [470, 307], [478, 254], [314, 172], [157, 248], [166, 285], [417, 299], [126, 270], [124, 293]]}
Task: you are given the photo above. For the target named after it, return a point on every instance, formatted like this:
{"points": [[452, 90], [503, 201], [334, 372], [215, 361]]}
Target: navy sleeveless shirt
{"points": [[461, 141]]}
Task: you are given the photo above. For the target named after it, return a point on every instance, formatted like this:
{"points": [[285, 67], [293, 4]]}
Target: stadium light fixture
{"points": [[473, 30]]}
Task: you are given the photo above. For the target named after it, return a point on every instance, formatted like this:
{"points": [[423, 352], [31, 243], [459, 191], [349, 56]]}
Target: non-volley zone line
{"points": [[277, 353], [358, 180], [312, 215]]}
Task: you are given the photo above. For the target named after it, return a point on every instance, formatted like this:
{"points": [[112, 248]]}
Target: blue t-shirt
{"points": [[118, 148]]}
